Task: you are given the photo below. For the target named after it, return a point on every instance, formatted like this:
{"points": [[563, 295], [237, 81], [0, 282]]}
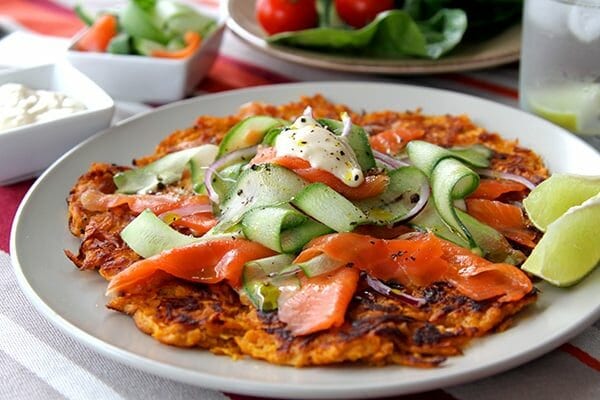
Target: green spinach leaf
{"points": [[393, 34], [486, 17]]}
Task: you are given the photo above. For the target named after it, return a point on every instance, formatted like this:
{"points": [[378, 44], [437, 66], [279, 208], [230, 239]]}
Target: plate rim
{"points": [[414, 66], [245, 386]]}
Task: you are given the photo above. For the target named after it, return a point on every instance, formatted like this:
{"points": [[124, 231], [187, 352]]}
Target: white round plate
{"points": [[500, 49], [74, 300]]}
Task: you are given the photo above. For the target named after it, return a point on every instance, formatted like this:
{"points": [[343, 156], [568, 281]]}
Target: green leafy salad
{"points": [[409, 28]]}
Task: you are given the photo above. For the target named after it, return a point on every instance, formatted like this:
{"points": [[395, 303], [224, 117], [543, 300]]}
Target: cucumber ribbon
{"points": [[166, 170], [450, 179], [148, 235], [281, 228], [264, 283]]}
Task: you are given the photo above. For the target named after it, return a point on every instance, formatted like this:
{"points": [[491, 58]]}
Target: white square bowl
{"points": [[26, 151], [148, 79]]}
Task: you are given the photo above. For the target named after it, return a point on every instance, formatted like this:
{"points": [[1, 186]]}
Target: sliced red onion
{"points": [[188, 210], [242, 154], [420, 205], [347, 121], [286, 272], [388, 160], [410, 235], [385, 290], [308, 112], [508, 176]]}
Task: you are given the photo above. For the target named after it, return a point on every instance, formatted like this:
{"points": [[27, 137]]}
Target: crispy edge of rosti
{"points": [[101, 245], [378, 330], [183, 314]]}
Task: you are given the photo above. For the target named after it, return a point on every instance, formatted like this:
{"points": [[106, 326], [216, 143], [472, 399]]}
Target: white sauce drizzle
{"points": [[323, 149]]}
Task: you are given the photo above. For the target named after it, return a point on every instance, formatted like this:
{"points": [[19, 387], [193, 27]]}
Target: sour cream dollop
{"points": [[323, 149], [20, 105]]}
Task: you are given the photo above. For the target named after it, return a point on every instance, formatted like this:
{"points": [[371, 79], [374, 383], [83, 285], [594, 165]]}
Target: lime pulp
{"points": [[570, 248], [553, 197]]}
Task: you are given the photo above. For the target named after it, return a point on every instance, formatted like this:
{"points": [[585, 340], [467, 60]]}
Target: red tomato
{"points": [[286, 15], [359, 13]]}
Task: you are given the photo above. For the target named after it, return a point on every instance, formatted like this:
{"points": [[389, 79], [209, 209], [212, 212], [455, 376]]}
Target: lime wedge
{"points": [[553, 197], [574, 106], [570, 248]]}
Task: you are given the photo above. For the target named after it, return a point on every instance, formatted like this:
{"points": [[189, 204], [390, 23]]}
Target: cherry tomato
{"points": [[286, 15], [359, 13]]}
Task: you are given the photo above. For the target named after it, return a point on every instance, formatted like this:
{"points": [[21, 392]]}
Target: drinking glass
{"points": [[560, 63]]}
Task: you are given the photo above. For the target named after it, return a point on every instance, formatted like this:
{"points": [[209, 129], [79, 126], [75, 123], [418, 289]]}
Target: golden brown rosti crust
{"points": [[378, 329]]}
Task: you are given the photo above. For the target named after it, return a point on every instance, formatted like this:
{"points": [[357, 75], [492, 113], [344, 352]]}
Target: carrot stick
{"points": [[192, 41], [97, 37]]}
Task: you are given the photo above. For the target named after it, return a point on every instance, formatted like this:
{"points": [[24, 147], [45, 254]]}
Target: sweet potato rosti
{"points": [[377, 329]]}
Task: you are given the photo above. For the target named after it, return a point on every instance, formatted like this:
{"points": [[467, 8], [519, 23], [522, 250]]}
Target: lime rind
{"points": [[574, 106], [557, 194], [570, 248]]}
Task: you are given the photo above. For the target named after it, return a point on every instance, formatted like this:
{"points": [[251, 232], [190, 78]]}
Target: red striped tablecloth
{"points": [[37, 361]]}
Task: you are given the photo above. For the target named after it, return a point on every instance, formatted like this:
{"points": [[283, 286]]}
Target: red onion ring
{"points": [[508, 176], [388, 160], [347, 128], [420, 205], [385, 290], [288, 271], [188, 210], [242, 154], [308, 112]]}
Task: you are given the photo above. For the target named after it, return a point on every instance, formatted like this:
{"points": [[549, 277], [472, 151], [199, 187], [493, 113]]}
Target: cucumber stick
{"points": [[329, 207], [120, 44], [177, 18], [84, 15], [140, 23], [248, 132]]}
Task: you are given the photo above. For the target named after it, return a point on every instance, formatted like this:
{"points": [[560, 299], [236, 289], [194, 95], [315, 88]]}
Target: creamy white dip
{"points": [[20, 105], [323, 149]]}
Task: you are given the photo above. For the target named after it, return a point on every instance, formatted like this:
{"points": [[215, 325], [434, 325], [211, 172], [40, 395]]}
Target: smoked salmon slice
{"points": [[415, 262], [421, 261], [95, 200], [202, 262], [393, 140], [480, 279], [491, 189], [320, 303], [199, 223], [505, 218]]}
